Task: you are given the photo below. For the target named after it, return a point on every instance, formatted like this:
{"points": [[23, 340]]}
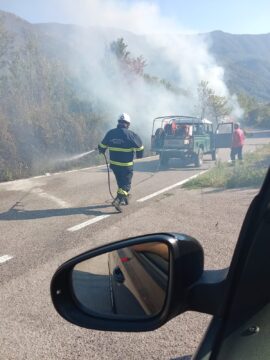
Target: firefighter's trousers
{"points": [[123, 175]]}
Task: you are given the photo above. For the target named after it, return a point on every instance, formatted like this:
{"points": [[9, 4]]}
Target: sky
{"points": [[233, 16]]}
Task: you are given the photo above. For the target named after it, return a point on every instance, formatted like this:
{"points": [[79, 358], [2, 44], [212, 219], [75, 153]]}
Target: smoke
{"points": [[140, 17], [184, 60]]}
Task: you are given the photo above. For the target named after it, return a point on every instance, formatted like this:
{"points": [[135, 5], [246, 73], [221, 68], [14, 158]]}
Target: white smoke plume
{"points": [[184, 60], [140, 17]]}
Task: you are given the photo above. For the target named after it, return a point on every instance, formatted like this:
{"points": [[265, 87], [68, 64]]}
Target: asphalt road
{"points": [[46, 220]]}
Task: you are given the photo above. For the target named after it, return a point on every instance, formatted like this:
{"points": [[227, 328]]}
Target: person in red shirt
{"points": [[238, 140], [173, 127]]}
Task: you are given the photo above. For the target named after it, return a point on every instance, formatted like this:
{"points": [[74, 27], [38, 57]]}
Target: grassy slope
{"points": [[249, 173]]}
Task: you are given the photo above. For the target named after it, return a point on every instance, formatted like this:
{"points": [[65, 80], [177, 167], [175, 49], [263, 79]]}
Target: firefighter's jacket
{"points": [[123, 144]]}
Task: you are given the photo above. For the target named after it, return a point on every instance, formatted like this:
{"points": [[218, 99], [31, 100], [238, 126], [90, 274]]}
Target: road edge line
{"points": [[182, 182]]}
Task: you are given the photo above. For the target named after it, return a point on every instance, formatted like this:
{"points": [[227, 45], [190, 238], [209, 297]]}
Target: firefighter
{"points": [[122, 144]]}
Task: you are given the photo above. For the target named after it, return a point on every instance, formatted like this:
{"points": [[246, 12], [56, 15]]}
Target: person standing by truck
{"points": [[238, 139], [122, 144]]}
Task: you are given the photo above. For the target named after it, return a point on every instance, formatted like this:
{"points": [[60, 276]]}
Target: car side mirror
{"points": [[136, 284]]}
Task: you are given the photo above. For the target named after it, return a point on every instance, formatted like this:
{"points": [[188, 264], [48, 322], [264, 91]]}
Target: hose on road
{"points": [[109, 178], [140, 182]]}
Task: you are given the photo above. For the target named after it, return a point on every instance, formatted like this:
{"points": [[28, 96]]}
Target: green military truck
{"points": [[188, 138]]}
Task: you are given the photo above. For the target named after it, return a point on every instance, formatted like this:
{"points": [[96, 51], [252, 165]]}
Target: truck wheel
{"points": [[163, 160], [199, 158], [214, 155]]}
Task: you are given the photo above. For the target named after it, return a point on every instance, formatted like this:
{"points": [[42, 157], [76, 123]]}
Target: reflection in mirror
{"points": [[130, 282]]}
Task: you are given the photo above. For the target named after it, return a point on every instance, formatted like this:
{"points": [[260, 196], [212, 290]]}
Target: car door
{"points": [[223, 135], [241, 328], [136, 274], [207, 138]]}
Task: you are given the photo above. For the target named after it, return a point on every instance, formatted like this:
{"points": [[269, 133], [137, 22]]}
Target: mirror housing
{"points": [[185, 268]]}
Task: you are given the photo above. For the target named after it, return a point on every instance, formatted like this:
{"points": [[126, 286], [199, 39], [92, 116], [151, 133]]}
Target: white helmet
{"points": [[124, 117]]}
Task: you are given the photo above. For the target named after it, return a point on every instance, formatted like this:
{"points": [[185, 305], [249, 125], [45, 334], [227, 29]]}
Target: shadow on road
{"points": [[21, 214], [147, 166], [153, 166], [174, 164]]}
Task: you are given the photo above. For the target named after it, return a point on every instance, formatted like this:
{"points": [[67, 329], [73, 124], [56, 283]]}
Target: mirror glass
{"points": [[130, 282]]}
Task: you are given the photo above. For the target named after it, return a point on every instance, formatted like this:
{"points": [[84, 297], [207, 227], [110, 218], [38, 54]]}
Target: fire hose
{"points": [[108, 171], [109, 178]]}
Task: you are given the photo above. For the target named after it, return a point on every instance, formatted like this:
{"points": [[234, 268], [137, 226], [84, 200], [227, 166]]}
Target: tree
{"points": [[204, 93], [256, 114], [118, 48], [247, 103], [211, 105], [219, 107], [259, 117], [264, 116], [130, 64], [137, 65]]}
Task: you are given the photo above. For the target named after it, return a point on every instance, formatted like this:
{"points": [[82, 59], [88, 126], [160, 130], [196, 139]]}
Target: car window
{"points": [[225, 129]]}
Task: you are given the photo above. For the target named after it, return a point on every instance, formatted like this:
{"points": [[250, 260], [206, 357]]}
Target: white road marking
{"points": [[170, 187], [87, 223], [71, 171], [53, 198], [21, 185], [36, 177], [101, 217], [5, 258]]}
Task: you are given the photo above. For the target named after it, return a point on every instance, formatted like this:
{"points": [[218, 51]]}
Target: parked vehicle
{"points": [[188, 138]]}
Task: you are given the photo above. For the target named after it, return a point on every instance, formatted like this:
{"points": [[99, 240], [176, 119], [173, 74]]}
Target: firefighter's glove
{"points": [[101, 150]]}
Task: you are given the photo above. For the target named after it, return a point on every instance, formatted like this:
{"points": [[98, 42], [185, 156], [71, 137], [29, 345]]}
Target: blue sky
{"points": [[234, 16]]}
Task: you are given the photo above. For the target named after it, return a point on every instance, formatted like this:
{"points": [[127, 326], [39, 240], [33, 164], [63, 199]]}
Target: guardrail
{"points": [[257, 133]]}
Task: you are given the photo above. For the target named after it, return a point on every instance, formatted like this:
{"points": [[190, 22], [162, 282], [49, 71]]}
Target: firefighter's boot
{"points": [[126, 199], [117, 203]]}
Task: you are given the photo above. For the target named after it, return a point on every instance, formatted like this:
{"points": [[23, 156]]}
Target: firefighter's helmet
{"points": [[124, 117]]}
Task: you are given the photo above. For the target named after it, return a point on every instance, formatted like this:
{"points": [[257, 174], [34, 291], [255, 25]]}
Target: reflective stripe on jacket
{"points": [[122, 144]]}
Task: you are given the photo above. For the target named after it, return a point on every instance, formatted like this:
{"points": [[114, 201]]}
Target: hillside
{"points": [[60, 85], [43, 110], [246, 59]]}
